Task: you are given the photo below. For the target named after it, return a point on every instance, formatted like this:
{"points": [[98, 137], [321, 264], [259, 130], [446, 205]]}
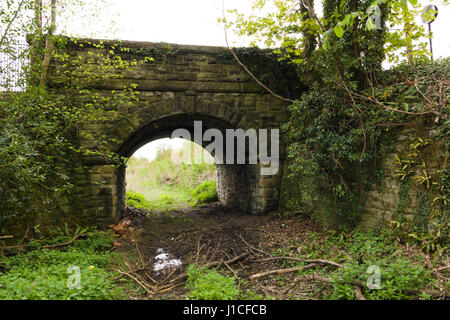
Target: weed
{"points": [[206, 284]]}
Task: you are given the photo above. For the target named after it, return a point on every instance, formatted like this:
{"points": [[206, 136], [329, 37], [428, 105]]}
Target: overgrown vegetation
{"points": [[38, 124], [205, 192], [45, 274], [351, 110], [162, 184]]}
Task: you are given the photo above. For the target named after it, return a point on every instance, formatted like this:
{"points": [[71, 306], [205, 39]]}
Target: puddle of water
{"points": [[164, 261]]}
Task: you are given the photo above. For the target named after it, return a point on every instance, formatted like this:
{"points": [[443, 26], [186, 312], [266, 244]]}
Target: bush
{"points": [[205, 192], [205, 284], [136, 200]]}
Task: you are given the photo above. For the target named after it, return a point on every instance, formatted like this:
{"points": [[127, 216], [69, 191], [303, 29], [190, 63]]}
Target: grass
{"points": [[50, 274], [208, 284], [166, 185]]}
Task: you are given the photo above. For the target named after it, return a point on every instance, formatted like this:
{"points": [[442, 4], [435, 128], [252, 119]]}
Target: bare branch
{"points": [[245, 68]]}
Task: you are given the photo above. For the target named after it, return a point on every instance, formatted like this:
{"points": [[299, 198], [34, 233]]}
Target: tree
{"points": [[39, 124], [342, 121]]}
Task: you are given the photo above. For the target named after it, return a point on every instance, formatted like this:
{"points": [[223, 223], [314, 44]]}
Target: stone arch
{"points": [[237, 185], [195, 82]]}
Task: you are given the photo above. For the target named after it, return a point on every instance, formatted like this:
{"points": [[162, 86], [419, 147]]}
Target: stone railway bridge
{"points": [[193, 83]]}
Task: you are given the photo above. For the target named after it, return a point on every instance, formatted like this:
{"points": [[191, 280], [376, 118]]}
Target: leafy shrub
{"points": [[205, 284], [43, 274], [397, 272], [136, 200], [205, 192]]}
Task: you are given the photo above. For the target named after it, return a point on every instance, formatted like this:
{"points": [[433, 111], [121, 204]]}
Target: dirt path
{"points": [[239, 245], [203, 235]]}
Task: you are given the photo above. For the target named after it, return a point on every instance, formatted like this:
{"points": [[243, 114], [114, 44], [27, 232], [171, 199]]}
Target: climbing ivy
{"points": [[350, 111], [269, 67]]}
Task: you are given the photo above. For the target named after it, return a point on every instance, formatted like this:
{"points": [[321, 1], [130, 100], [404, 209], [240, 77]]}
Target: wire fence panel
{"points": [[13, 62]]}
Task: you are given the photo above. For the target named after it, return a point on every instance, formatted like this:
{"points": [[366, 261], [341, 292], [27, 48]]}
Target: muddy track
{"points": [[198, 235]]}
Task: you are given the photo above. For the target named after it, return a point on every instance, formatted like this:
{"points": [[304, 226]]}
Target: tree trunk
{"points": [[38, 14], [48, 45]]}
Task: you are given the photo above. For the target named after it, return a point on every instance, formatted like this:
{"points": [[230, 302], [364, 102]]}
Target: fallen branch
{"points": [[238, 258], [50, 246], [281, 271], [170, 288], [6, 237], [231, 261], [253, 248], [317, 261], [133, 278], [358, 293]]}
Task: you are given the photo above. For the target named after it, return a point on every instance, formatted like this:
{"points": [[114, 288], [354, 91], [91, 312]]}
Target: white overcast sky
{"points": [[195, 22]]}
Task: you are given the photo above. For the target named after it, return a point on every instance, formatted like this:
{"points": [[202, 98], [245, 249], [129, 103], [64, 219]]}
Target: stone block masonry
{"points": [[189, 83]]}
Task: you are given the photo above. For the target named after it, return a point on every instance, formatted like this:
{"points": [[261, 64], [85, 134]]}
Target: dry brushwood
{"points": [[167, 284], [281, 271]]}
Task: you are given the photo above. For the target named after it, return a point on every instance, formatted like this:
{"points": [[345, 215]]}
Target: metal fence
{"points": [[13, 61]]}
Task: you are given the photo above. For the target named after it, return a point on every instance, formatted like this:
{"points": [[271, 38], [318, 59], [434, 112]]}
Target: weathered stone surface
{"points": [[382, 201], [194, 83]]}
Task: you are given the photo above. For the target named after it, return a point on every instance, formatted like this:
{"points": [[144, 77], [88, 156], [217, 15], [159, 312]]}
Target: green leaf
{"points": [[339, 31]]}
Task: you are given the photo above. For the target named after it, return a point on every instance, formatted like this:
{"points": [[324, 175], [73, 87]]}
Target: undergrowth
{"points": [[44, 274], [208, 284], [379, 261], [161, 184], [205, 192]]}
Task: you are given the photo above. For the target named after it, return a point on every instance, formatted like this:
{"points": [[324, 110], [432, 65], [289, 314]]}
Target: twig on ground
{"points": [[253, 248], [231, 269], [170, 288], [134, 278], [317, 261], [358, 293], [50, 246], [215, 251], [362, 284], [281, 271]]}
